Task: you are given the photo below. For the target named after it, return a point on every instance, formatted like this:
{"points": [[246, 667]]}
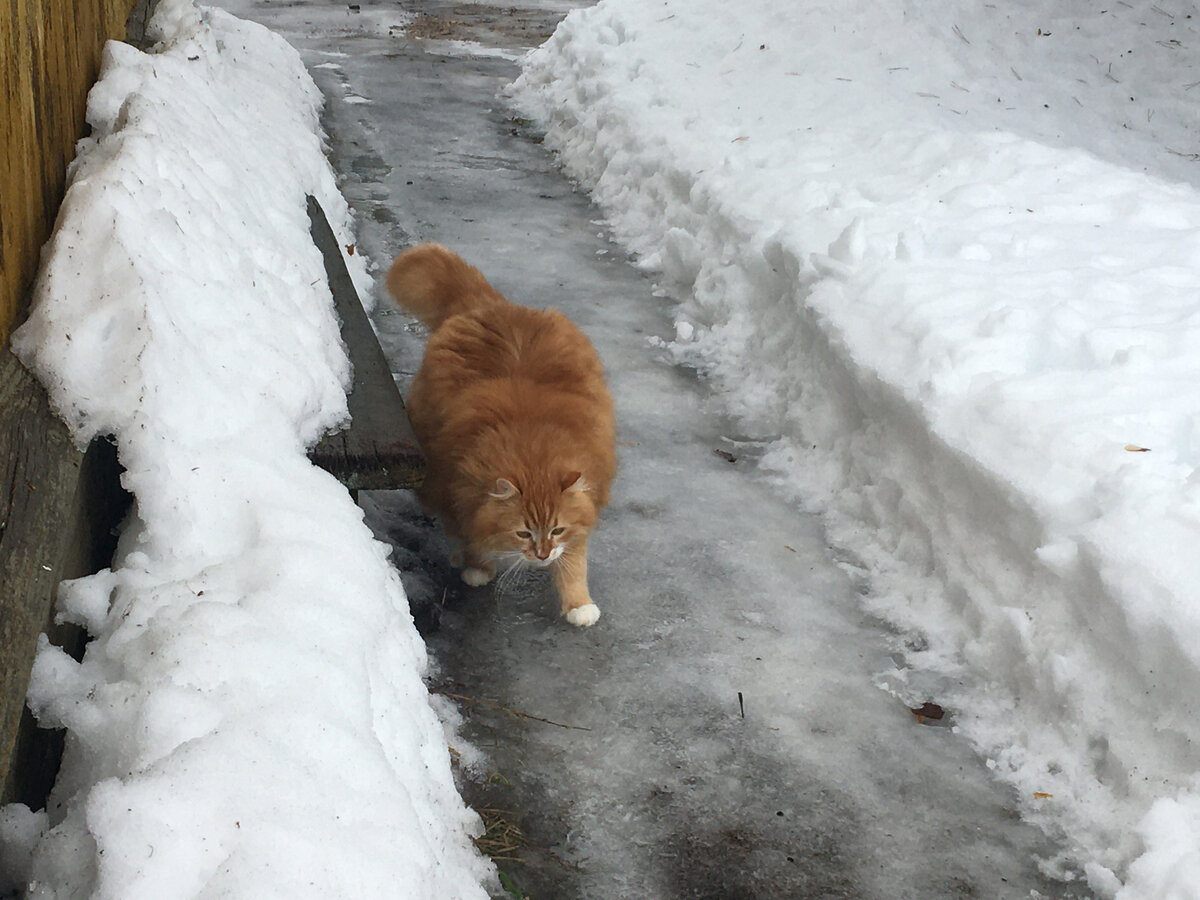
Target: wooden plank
{"points": [[58, 509], [139, 18], [39, 467], [379, 450]]}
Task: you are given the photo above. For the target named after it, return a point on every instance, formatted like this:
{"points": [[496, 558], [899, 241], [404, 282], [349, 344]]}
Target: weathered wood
{"points": [[139, 18], [379, 450], [58, 508]]}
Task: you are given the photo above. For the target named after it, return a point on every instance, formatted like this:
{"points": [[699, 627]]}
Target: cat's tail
{"points": [[434, 283]]}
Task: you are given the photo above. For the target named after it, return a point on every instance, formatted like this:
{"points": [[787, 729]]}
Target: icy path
{"points": [[711, 587]]}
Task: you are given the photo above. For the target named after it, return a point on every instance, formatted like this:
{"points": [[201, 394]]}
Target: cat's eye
{"points": [[524, 535], [557, 532]]}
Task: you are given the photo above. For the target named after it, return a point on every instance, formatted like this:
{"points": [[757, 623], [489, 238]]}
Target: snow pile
{"points": [[250, 719], [938, 281]]}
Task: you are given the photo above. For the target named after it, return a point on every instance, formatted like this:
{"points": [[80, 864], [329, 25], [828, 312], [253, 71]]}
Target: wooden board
{"points": [[379, 450], [58, 509]]}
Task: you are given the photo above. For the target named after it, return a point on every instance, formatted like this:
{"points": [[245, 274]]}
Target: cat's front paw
{"points": [[476, 577], [583, 616]]}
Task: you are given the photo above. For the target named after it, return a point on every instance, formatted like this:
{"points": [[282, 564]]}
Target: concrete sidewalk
{"points": [[718, 733]]}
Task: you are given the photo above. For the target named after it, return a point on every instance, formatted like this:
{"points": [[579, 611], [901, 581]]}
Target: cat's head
{"points": [[536, 520]]}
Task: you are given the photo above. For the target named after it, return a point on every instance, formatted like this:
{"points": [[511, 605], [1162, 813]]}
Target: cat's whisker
{"points": [[510, 586], [568, 562], [513, 574]]}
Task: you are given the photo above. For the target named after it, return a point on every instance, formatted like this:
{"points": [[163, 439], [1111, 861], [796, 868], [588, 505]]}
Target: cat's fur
{"points": [[512, 412]]}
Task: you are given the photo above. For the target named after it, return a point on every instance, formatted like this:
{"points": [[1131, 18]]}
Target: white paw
{"points": [[584, 616], [475, 577]]}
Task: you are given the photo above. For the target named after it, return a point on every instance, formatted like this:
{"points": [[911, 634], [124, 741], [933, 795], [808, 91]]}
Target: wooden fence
{"points": [[49, 57], [57, 505]]}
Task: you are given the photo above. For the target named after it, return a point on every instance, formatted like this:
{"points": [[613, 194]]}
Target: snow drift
{"points": [[250, 719], [960, 296]]}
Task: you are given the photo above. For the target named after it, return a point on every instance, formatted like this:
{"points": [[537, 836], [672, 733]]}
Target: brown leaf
{"points": [[1134, 448], [928, 710], [349, 249], [726, 455]]}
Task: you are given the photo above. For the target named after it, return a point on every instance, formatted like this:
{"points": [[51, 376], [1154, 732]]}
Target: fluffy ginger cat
{"points": [[512, 412]]}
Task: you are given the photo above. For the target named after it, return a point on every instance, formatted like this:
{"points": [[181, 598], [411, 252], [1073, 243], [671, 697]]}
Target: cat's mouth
{"points": [[540, 563]]}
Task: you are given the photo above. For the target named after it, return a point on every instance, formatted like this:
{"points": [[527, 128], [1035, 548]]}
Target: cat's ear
{"points": [[574, 481], [503, 489]]}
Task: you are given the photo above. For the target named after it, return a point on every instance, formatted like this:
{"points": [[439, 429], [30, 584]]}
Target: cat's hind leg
{"points": [[570, 579]]}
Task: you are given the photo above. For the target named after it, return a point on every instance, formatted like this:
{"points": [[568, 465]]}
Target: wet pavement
{"points": [[718, 734]]}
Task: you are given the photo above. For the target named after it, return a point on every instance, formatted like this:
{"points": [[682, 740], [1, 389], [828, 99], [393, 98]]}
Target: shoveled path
{"points": [[726, 738]]}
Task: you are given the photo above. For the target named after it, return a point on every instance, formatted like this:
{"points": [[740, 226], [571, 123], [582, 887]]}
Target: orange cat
{"points": [[511, 409]]}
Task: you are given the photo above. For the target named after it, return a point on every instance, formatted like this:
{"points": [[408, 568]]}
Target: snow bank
{"points": [[969, 326], [250, 719]]}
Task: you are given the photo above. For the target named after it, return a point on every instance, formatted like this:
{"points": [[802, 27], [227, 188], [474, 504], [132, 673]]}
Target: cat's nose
{"points": [[543, 552]]}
